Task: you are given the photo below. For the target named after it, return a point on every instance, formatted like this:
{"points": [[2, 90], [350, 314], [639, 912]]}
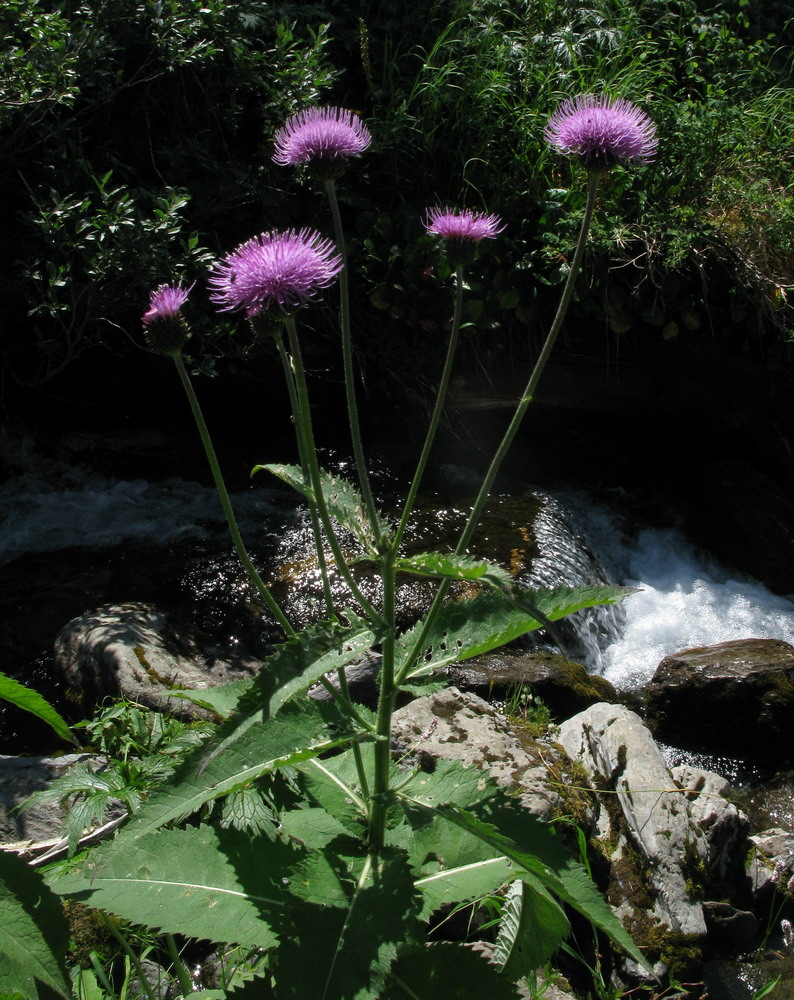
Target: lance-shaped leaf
{"points": [[289, 671], [31, 701], [33, 933], [344, 502], [199, 882], [463, 629], [542, 857], [356, 912], [453, 567], [531, 928], [296, 734]]}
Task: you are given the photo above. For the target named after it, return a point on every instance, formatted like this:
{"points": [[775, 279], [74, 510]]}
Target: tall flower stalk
{"points": [[167, 330], [325, 139], [599, 133]]}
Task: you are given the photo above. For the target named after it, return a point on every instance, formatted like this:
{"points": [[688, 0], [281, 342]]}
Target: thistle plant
{"points": [[366, 853]]}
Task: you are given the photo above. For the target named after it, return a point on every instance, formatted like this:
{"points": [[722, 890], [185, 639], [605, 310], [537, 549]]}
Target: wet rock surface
{"points": [[734, 697], [563, 685]]}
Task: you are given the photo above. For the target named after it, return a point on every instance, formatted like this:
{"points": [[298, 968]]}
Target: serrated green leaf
{"points": [[222, 700], [531, 928], [463, 629], [354, 940], [441, 564], [33, 933], [31, 701], [291, 669], [343, 500], [297, 733], [446, 970], [557, 872], [199, 882], [312, 827]]}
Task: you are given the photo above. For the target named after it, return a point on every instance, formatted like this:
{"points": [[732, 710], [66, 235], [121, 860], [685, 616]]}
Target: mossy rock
{"points": [[563, 685]]}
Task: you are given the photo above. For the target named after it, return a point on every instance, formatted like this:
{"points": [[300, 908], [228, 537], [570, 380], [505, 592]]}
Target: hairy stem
{"points": [[223, 495], [437, 409], [316, 476], [289, 378], [518, 416], [347, 359]]}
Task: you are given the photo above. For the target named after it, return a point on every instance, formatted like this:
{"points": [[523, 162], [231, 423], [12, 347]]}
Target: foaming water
{"points": [[684, 599]]}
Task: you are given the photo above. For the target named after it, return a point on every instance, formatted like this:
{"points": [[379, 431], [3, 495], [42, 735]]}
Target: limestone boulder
{"points": [[452, 725], [655, 847], [138, 651], [734, 698]]}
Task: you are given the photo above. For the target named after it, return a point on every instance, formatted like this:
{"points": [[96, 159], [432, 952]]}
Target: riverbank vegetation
{"points": [[137, 145]]}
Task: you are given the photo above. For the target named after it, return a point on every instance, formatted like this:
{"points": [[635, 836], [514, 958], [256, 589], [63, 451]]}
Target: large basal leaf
{"points": [[448, 971], [343, 500], [34, 936], [531, 928], [296, 734], [463, 629], [217, 885], [356, 913], [31, 701]]}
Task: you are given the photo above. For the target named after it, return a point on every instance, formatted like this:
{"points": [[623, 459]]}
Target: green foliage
{"points": [[130, 130], [31, 701], [33, 934], [471, 627]]}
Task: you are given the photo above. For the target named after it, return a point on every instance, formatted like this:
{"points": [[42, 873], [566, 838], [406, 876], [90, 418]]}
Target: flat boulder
{"points": [[735, 698]]}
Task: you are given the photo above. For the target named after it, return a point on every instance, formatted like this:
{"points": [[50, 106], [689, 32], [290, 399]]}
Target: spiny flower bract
{"points": [[463, 225], [321, 133], [276, 269], [165, 327], [602, 131]]}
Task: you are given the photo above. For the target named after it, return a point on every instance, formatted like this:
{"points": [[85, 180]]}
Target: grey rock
{"points": [[771, 864], [452, 725], [563, 685], [614, 746], [724, 827], [139, 652], [728, 926]]}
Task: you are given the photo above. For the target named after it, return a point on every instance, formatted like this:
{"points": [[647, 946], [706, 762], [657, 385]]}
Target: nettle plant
{"points": [[336, 891]]}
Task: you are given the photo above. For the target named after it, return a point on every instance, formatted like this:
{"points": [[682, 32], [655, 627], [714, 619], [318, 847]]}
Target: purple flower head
{"points": [[283, 270], [602, 131], [166, 329], [462, 230], [165, 302], [330, 135]]}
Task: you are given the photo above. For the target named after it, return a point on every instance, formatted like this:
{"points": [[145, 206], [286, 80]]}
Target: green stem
{"points": [[347, 360], [289, 378], [316, 475], [518, 416], [438, 408], [388, 690], [223, 494], [130, 952], [182, 974]]}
